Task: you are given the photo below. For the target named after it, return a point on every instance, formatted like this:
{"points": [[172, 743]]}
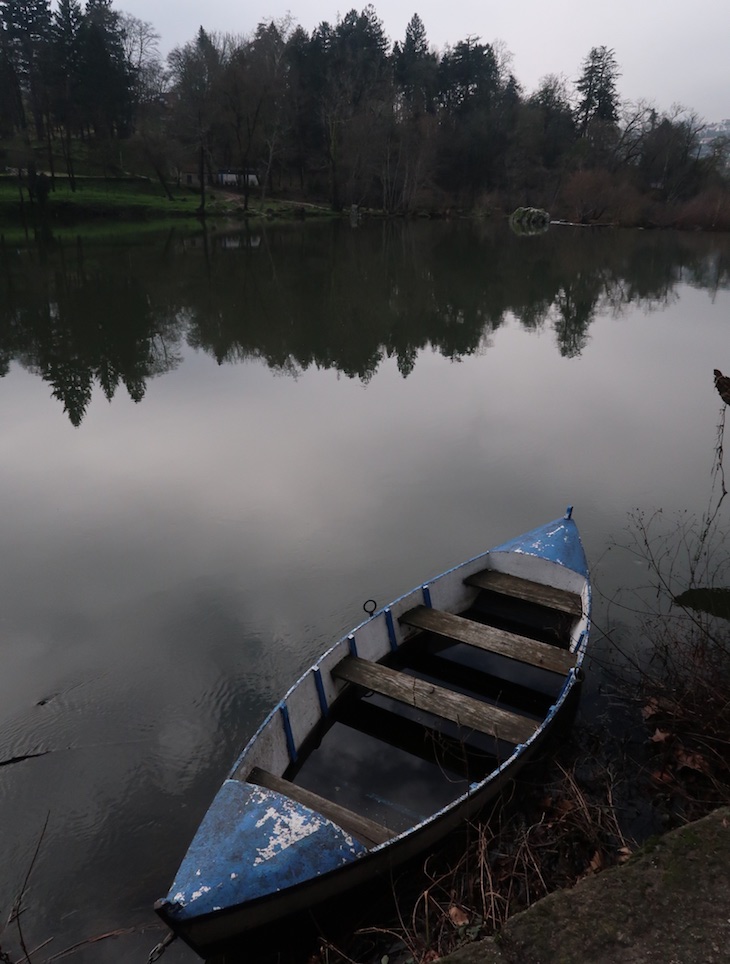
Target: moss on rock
{"points": [[667, 905]]}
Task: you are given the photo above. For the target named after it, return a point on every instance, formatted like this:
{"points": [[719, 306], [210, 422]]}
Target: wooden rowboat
{"points": [[400, 731]]}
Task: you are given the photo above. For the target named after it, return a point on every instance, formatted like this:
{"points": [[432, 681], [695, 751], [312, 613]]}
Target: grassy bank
{"points": [[121, 201], [93, 197]]}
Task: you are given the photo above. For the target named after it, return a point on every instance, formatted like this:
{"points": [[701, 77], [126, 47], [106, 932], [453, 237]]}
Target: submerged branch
{"points": [[24, 756], [17, 906]]}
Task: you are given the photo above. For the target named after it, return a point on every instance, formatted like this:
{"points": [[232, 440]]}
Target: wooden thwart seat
{"points": [[488, 638], [502, 582], [366, 830], [460, 709]]}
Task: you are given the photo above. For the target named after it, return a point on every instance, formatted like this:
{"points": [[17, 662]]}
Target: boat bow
{"points": [[557, 542], [254, 842]]}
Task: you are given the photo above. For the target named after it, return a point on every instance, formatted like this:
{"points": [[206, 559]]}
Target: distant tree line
{"points": [[345, 116]]}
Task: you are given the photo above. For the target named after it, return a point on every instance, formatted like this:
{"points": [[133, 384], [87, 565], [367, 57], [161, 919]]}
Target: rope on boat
{"points": [[159, 949]]}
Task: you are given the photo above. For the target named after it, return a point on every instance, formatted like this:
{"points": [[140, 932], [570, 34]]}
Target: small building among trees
{"points": [[237, 178], [229, 177]]}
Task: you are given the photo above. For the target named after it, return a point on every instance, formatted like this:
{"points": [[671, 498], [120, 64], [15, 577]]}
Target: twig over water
{"points": [[17, 906]]}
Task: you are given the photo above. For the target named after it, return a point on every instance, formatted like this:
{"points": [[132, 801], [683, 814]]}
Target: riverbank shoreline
{"points": [[56, 203], [666, 905]]}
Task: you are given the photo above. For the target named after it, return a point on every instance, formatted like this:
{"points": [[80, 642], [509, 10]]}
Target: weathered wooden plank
{"points": [[366, 830], [491, 639], [460, 709], [535, 592]]}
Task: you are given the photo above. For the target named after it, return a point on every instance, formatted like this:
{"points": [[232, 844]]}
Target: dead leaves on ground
{"points": [[458, 917], [676, 764]]}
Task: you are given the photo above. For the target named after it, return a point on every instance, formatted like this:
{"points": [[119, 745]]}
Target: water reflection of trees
{"points": [[325, 296], [81, 321]]}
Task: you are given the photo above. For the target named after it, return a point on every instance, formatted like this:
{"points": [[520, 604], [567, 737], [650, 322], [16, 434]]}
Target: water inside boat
{"points": [[396, 764]]}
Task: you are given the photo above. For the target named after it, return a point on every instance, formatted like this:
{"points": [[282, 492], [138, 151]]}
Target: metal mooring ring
{"points": [[369, 606]]}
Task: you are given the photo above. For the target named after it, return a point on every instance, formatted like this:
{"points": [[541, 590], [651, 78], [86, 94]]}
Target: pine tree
{"points": [[597, 88], [65, 59], [416, 69], [25, 28], [106, 81], [12, 111]]}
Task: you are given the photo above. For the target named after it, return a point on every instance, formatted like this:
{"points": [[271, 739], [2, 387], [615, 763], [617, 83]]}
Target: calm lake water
{"points": [[216, 448]]}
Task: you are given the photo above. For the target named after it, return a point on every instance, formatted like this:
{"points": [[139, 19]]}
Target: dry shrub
{"points": [[597, 195], [663, 214], [631, 208], [686, 704], [428, 199], [489, 204], [588, 196], [681, 677], [682, 680], [708, 211]]}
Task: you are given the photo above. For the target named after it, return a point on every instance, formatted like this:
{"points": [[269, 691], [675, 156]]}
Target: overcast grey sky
{"points": [[669, 51]]}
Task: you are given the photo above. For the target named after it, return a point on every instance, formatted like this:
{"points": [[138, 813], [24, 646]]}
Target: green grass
{"points": [[98, 195], [123, 200]]}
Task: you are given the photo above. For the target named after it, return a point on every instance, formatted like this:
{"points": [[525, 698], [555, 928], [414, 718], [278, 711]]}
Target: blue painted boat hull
{"points": [[260, 855]]}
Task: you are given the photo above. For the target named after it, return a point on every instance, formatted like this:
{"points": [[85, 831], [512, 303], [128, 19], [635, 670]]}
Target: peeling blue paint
{"points": [[253, 842], [557, 542]]}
